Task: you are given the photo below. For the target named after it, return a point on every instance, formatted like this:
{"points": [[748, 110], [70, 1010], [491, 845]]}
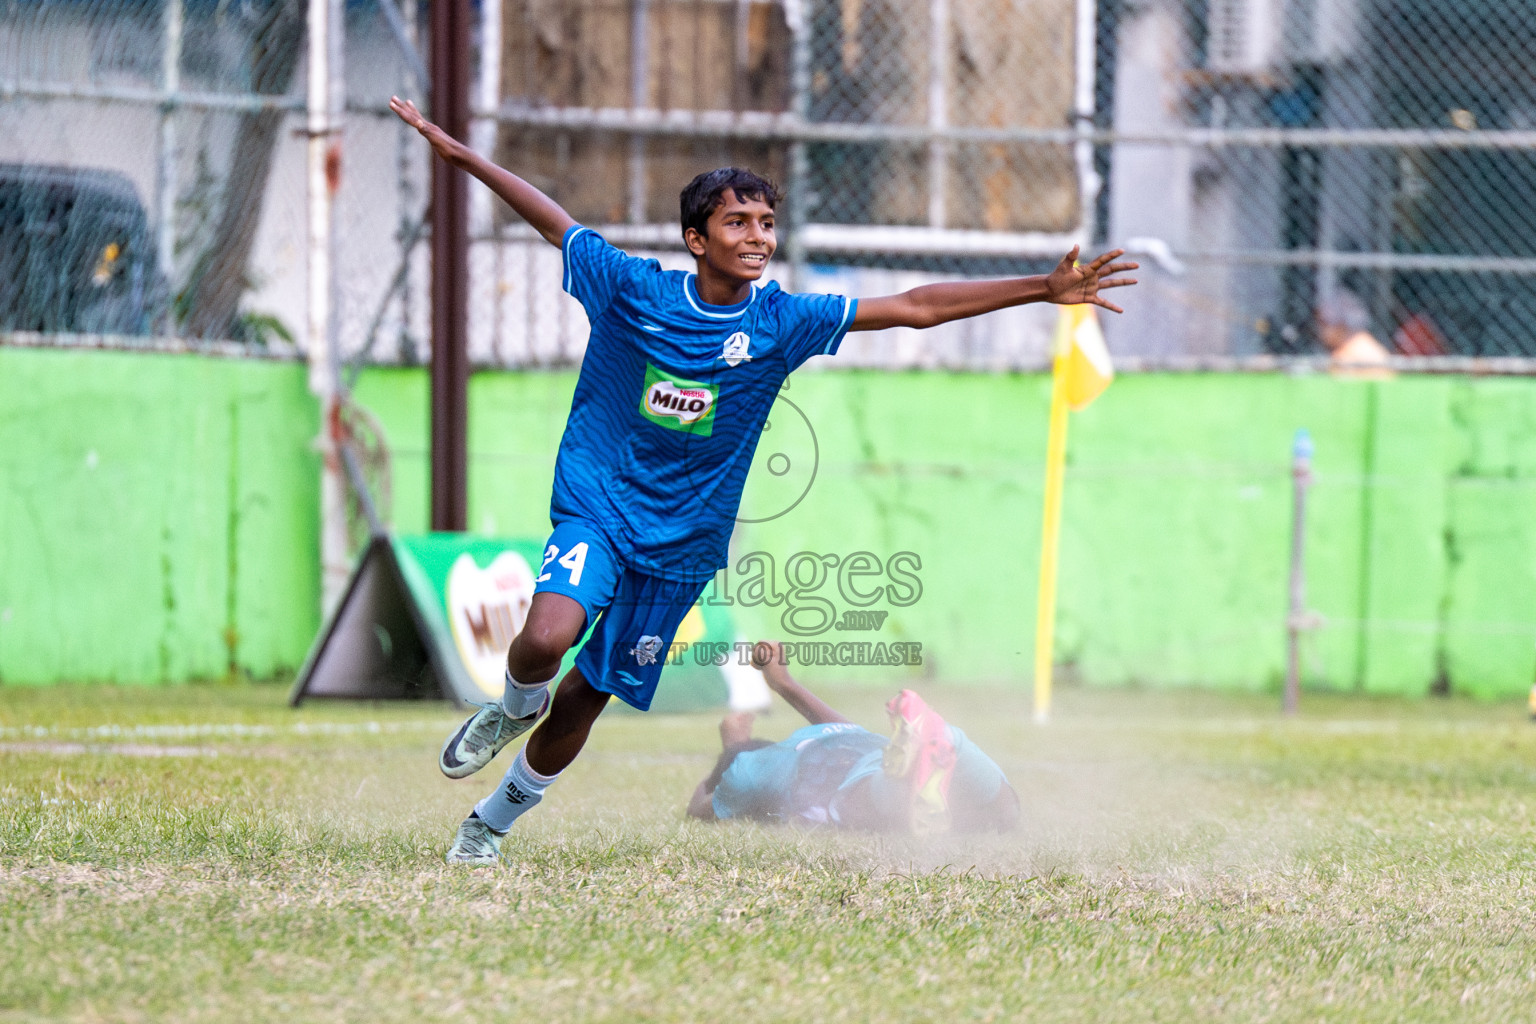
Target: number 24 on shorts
{"points": [[574, 560]]}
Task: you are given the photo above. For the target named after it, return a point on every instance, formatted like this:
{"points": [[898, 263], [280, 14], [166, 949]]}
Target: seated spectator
{"points": [[1344, 328]]}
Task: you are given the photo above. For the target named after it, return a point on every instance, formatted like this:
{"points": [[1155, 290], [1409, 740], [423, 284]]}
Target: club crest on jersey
{"points": [[646, 649], [735, 351], [678, 404]]}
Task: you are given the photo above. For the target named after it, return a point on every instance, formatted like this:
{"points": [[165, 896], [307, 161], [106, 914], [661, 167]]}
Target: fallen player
{"points": [[928, 778]]}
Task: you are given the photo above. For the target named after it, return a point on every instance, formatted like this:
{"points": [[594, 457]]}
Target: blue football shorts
{"points": [[632, 617]]}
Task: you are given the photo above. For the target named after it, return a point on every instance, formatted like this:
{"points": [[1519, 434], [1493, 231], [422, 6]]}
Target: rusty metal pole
{"points": [[450, 271], [1297, 618]]}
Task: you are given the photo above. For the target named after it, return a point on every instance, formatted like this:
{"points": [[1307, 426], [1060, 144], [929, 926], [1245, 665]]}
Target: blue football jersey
{"points": [[671, 400], [797, 778]]}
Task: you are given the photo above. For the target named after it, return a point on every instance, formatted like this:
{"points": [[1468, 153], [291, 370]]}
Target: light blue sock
{"points": [[519, 700], [521, 788]]}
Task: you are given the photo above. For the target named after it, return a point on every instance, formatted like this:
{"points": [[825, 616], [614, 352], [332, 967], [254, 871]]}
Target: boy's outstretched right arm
{"points": [[548, 217]]}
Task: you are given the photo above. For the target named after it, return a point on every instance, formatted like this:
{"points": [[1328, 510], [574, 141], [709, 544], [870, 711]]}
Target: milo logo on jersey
{"points": [[678, 404]]}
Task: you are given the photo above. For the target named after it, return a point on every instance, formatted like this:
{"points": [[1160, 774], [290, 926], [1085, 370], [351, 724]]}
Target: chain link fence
{"points": [[1260, 156], [138, 150]]}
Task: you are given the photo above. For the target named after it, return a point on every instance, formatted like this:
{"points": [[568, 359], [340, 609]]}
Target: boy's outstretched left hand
{"points": [[1071, 285]]}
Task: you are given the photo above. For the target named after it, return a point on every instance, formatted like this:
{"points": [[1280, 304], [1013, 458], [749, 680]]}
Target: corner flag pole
{"points": [[1079, 374], [1050, 535]]}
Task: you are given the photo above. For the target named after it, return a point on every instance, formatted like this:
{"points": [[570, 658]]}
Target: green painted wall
{"points": [[192, 525], [1422, 545], [157, 517]]}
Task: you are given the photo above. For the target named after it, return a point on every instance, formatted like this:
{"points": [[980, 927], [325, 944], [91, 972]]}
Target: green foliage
{"points": [[261, 330]]}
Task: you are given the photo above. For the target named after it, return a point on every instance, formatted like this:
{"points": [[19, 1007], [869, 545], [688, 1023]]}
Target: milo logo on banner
{"points": [[678, 404], [486, 609]]}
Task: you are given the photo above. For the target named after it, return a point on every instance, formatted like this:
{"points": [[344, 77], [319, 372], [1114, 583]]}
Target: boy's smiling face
{"points": [[739, 244]]}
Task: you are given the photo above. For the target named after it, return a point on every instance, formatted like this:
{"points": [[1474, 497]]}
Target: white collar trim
{"points": [[698, 306]]}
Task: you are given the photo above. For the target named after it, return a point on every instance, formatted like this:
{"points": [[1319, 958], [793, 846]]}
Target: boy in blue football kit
{"points": [[680, 373]]}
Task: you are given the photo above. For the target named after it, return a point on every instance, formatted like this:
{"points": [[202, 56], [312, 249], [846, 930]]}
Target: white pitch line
{"points": [[119, 749], [221, 730]]}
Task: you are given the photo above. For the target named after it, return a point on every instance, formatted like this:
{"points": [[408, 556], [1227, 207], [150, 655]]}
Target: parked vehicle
{"points": [[75, 252]]}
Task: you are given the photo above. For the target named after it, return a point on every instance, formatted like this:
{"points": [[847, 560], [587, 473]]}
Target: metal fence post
{"points": [[165, 198], [639, 97], [797, 17], [1085, 72], [938, 111], [324, 98], [450, 271]]}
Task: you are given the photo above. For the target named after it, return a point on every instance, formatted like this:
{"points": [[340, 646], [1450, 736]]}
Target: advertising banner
{"points": [[431, 616]]}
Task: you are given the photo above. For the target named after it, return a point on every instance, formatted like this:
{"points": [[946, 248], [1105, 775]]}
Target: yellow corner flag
{"points": [[1083, 369], [1081, 372]]}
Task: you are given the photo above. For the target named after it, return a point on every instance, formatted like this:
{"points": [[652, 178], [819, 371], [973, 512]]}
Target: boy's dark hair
{"points": [[705, 192]]}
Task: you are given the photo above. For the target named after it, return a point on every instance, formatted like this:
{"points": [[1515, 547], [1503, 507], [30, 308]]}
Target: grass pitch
{"points": [[203, 853]]}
